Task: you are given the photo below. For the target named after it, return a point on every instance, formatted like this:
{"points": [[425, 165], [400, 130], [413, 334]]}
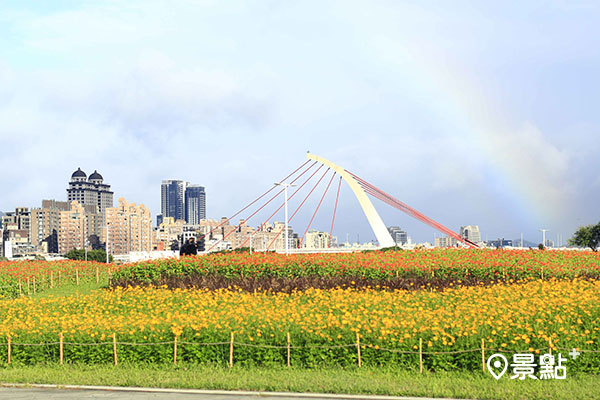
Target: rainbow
{"points": [[511, 170]]}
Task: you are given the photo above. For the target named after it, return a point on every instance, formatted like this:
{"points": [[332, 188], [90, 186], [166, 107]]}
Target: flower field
{"points": [[483, 301], [25, 277], [393, 268], [322, 325]]}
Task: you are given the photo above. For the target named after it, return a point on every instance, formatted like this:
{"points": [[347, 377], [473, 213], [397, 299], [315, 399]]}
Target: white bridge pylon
{"points": [[379, 229]]}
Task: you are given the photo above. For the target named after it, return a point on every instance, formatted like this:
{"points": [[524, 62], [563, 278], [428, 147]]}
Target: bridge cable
{"points": [[315, 213], [264, 205], [282, 205], [334, 211], [298, 208], [257, 199], [390, 200]]}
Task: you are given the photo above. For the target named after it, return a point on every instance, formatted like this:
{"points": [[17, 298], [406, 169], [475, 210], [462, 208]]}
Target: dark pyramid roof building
{"points": [[96, 177], [79, 174], [90, 191]]}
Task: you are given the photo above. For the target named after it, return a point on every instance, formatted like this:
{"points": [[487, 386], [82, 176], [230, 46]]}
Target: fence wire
{"points": [[291, 346]]}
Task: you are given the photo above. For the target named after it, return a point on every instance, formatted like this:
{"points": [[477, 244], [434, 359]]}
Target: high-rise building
{"points": [[399, 236], [45, 225], [195, 204], [446, 241], [77, 226], [172, 199], [129, 228], [471, 233], [182, 200], [316, 240], [90, 191], [499, 243], [19, 219], [17, 226], [3, 241], [168, 233]]}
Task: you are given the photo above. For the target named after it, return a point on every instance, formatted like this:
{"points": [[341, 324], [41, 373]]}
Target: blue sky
{"points": [[471, 113]]}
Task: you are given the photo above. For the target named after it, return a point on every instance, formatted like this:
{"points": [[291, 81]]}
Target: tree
{"points": [[92, 255], [587, 236]]}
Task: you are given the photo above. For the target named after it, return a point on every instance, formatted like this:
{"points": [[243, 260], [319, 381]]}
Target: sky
{"points": [[471, 113]]}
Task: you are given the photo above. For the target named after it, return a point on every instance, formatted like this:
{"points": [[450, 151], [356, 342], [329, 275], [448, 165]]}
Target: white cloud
{"points": [[93, 27], [231, 95]]}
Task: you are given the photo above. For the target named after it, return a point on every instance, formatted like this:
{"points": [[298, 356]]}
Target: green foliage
{"points": [[392, 248], [92, 255], [587, 236], [236, 250]]}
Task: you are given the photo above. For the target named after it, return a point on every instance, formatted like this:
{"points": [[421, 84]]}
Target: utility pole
{"points": [[85, 243], [285, 202], [544, 235], [521, 239], [107, 242]]}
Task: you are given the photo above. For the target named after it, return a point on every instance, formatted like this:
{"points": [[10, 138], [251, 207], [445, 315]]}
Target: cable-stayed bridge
{"points": [[324, 172]]}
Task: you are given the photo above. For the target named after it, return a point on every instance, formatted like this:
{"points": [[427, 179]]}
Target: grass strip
{"points": [[376, 381], [68, 289]]}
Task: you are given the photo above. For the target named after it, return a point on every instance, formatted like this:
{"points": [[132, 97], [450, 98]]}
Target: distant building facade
{"points": [[3, 244], [129, 228], [172, 199], [471, 232], [45, 225], [168, 234], [77, 227], [399, 236], [315, 239], [195, 204], [19, 219], [499, 243], [182, 200], [446, 241], [17, 231], [221, 235]]}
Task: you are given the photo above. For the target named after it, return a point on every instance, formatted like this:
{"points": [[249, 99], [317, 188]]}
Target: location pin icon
{"points": [[497, 365]]}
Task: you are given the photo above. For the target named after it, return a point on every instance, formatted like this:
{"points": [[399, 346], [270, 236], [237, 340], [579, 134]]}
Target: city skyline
{"points": [[80, 178], [484, 116]]}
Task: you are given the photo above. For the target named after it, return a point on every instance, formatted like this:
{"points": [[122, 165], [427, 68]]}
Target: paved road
{"points": [[72, 393], [53, 393]]}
